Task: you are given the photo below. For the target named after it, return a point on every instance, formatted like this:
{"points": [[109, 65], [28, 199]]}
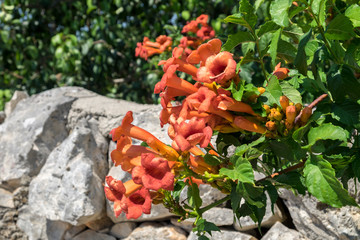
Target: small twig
{"points": [[311, 105], [289, 169]]}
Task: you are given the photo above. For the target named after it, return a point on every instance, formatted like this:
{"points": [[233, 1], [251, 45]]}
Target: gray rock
{"points": [[15, 99], [100, 224], [73, 231], [319, 221], [6, 199], [224, 235], [155, 231], [122, 230], [38, 227], [2, 117], [92, 235], [208, 194], [69, 186], [246, 223], [30, 133], [279, 232]]}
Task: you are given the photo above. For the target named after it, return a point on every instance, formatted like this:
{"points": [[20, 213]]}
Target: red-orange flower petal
{"points": [[281, 73]]}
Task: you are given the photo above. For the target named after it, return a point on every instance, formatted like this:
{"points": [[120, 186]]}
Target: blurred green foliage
{"points": [[46, 44]]}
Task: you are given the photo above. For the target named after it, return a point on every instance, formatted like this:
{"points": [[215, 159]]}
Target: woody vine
{"points": [[299, 126]]}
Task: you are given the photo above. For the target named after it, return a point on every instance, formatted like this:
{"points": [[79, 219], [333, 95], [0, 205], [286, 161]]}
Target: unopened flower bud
{"points": [[306, 113], [298, 107], [270, 125], [261, 90], [284, 102], [267, 108], [290, 114], [278, 115]]}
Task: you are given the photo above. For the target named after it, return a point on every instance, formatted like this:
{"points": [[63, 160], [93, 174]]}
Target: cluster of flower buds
{"points": [[148, 48]]}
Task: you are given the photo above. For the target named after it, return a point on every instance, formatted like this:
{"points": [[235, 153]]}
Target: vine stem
{"points": [[289, 169], [204, 209]]}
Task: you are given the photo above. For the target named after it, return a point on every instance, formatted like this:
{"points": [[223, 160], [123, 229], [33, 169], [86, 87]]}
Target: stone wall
{"points": [[54, 156]]}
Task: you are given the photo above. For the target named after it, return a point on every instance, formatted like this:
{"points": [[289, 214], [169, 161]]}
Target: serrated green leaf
{"points": [[327, 131], [348, 113], [355, 165], [212, 159], [274, 89], [293, 179], [242, 171], [269, 26], [318, 7], [321, 182], [289, 91], [342, 82], [340, 28], [194, 196], [300, 59], [353, 13], [248, 12], [279, 12], [274, 46], [293, 153], [179, 186], [294, 32], [236, 39], [286, 51], [252, 194]]}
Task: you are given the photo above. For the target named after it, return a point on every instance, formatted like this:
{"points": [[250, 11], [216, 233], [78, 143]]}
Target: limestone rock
{"points": [[15, 99], [224, 235], [279, 232], [73, 231], [122, 230], [100, 224], [6, 199], [208, 194], [316, 220], [69, 186], [155, 231], [269, 219], [92, 235], [30, 133]]}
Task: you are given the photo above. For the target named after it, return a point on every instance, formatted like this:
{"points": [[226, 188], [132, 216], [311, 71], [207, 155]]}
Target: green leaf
{"points": [[246, 17], [286, 51], [248, 12], [279, 12], [340, 28], [355, 165], [342, 83], [243, 148], [252, 194], [347, 112], [293, 179], [237, 91], [269, 26], [327, 131], [242, 171], [179, 186], [90, 6], [194, 196], [321, 182], [274, 89], [236, 39], [318, 7], [353, 13], [274, 46], [289, 91], [212, 159], [185, 15], [300, 59], [293, 153]]}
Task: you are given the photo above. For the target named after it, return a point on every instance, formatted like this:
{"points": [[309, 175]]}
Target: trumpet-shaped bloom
{"points": [[191, 26], [204, 51], [191, 133], [170, 79], [136, 204], [128, 129], [205, 33], [281, 73], [202, 19], [220, 68], [154, 173]]}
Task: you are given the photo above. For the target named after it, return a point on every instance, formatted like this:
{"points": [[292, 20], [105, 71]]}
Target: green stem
{"points": [[204, 209]]}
